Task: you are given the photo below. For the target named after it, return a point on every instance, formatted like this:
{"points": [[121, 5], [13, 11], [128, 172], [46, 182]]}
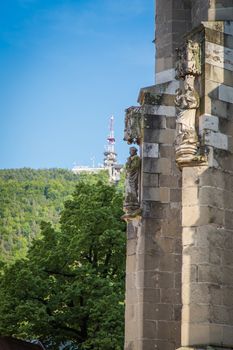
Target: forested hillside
{"points": [[27, 197], [69, 290]]}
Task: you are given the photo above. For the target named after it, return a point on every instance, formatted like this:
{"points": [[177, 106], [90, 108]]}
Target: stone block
{"points": [[228, 219], [171, 123], [166, 244], [145, 279], [215, 334], [191, 176], [171, 296], [227, 276], [215, 255], [219, 314], [209, 273], [202, 215], [165, 136], [129, 345], [208, 122], [164, 330], [131, 313], [166, 151], [228, 27], [131, 280], [150, 150], [148, 261], [212, 89], [131, 247], [227, 299], [154, 122], [164, 280], [169, 181], [157, 166], [163, 64], [131, 263], [177, 312], [165, 76], [226, 93], [211, 196], [224, 160], [216, 294], [189, 273], [195, 293], [195, 313], [150, 180], [164, 312], [219, 56], [227, 335], [213, 177], [220, 14], [190, 196], [159, 194], [166, 262], [189, 236], [216, 139], [227, 257], [193, 255], [149, 329], [164, 345], [130, 334], [178, 280], [194, 334], [151, 295], [169, 111], [219, 75], [218, 37], [155, 211], [175, 195]]}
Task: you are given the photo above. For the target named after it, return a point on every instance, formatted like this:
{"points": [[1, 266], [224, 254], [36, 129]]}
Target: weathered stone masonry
{"points": [[179, 284]]}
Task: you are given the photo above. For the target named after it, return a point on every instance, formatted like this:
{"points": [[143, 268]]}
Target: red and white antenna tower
{"points": [[110, 154], [111, 138]]}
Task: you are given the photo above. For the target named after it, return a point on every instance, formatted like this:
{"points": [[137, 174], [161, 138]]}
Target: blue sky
{"points": [[65, 67]]}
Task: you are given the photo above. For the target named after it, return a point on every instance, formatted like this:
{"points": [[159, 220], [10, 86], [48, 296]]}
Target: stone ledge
{"points": [[209, 122], [216, 140]]}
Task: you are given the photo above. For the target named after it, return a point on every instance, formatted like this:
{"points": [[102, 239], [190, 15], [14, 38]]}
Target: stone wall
{"points": [[207, 202], [173, 20], [179, 251]]}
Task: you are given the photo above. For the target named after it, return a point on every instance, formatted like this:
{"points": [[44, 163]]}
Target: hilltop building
{"points": [[110, 159]]}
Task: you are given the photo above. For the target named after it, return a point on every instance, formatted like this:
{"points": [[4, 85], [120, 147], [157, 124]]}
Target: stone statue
{"points": [[187, 102], [131, 202]]}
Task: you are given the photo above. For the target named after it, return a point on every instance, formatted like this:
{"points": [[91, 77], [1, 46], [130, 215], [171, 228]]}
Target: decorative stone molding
{"points": [[133, 125], [189, 60]]}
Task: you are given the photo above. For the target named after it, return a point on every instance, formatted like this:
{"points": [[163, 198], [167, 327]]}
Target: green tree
{"points": [[70, 288], [27, 197]]}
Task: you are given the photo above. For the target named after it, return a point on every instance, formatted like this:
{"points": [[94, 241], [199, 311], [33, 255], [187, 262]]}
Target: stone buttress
{"points": [[179, 273]]}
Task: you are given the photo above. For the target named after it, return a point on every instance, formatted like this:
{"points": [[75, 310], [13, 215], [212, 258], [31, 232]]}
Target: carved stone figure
{"points": [[187, 102], [131, 202], [133, 125], [188, 60]]}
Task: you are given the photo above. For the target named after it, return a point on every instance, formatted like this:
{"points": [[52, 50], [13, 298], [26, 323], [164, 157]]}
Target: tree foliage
{"points": [[28, 197], [70, 287]]}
